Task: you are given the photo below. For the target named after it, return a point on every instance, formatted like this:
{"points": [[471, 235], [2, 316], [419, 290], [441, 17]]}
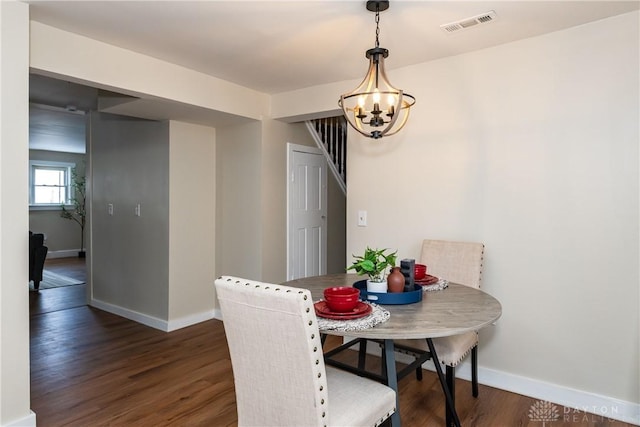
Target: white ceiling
{"points": [[278, 46]]}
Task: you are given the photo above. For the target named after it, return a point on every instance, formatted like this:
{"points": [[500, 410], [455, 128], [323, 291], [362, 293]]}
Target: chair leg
{"points": [[451, 383], [474, 371], [419, 373]]}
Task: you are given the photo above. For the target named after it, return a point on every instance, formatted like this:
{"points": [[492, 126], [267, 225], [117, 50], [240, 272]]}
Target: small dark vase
{"points": [[395, 280]]}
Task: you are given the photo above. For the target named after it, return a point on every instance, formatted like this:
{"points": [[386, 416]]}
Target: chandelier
{"points": [[376, 108]]}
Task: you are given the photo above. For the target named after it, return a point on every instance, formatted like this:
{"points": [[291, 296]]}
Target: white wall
{"points": [[192, 191], [14, 219], [251, 201], [274, 194], [238, 197], [79, 59], [531, 148]]}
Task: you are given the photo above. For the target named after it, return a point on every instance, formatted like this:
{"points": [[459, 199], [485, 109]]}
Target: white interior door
{"points": [[306, 212]]}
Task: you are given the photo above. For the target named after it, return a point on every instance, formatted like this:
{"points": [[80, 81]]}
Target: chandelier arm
{"points": [[402, 123]]}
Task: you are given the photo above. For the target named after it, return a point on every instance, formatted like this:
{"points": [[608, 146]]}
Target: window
{"points": [[49, 183]]}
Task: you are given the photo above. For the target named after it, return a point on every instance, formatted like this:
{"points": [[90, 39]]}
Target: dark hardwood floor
{"points": [[48, 300], [92, 368], [70, 267]]}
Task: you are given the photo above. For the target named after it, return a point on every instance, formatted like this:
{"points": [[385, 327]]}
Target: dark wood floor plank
{"points": [[93, 368], [70, 267]]}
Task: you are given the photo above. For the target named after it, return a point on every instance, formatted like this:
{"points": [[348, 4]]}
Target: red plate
{"points": [[428, 280], [362, 309]]}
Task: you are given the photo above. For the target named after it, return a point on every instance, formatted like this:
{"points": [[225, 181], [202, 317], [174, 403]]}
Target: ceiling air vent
{"points": [[463, 24]]}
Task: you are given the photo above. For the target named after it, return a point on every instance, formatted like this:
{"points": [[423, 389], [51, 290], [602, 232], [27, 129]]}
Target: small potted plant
{"points": [[374, 263]]}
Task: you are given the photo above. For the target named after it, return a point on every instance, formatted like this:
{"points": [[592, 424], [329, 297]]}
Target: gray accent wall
{"points": [[129, 253]]}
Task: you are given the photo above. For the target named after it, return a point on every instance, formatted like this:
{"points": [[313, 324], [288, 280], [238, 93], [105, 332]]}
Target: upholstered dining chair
{"points": [[278, 365], [457, 262]]}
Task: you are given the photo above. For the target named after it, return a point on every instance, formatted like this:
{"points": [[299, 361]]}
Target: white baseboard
{"points": [[193, 319], [145, 319], [599, 408], [28, 421], [68, 253], [154, 322]]}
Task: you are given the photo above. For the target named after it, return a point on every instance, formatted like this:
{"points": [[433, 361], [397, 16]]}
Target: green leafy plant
{"points": [[374, 263], [78, 200]]}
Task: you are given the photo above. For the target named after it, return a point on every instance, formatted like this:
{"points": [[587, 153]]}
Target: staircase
{"points": [[330, 135]]}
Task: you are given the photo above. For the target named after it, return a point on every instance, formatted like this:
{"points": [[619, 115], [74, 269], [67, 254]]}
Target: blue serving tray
{"points": [[389, 297]]}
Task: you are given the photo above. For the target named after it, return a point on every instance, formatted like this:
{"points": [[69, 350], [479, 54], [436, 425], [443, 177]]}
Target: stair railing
{"points": [[330, 135]]}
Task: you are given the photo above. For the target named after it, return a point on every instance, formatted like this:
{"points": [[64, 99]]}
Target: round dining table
{"points": [[453, 310]]}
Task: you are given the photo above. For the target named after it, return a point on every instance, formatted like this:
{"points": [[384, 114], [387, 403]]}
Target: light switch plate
{"points": [[362, 218]]}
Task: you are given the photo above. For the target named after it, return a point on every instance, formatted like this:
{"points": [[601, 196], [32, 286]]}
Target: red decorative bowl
{"points": [[419, 271], [342, 299]]}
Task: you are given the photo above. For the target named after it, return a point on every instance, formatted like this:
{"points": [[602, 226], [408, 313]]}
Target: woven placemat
{"points": [[438, 286], [378, 315]]}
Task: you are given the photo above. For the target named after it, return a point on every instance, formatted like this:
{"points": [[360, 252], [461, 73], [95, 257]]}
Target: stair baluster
{"points": [[330, 135]]}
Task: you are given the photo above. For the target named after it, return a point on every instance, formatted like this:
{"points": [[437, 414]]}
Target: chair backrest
{"points": [[276, 353], [457, 262]]}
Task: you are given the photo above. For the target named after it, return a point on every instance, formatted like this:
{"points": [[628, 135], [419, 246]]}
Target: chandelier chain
{"points": [[377, 25]]}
